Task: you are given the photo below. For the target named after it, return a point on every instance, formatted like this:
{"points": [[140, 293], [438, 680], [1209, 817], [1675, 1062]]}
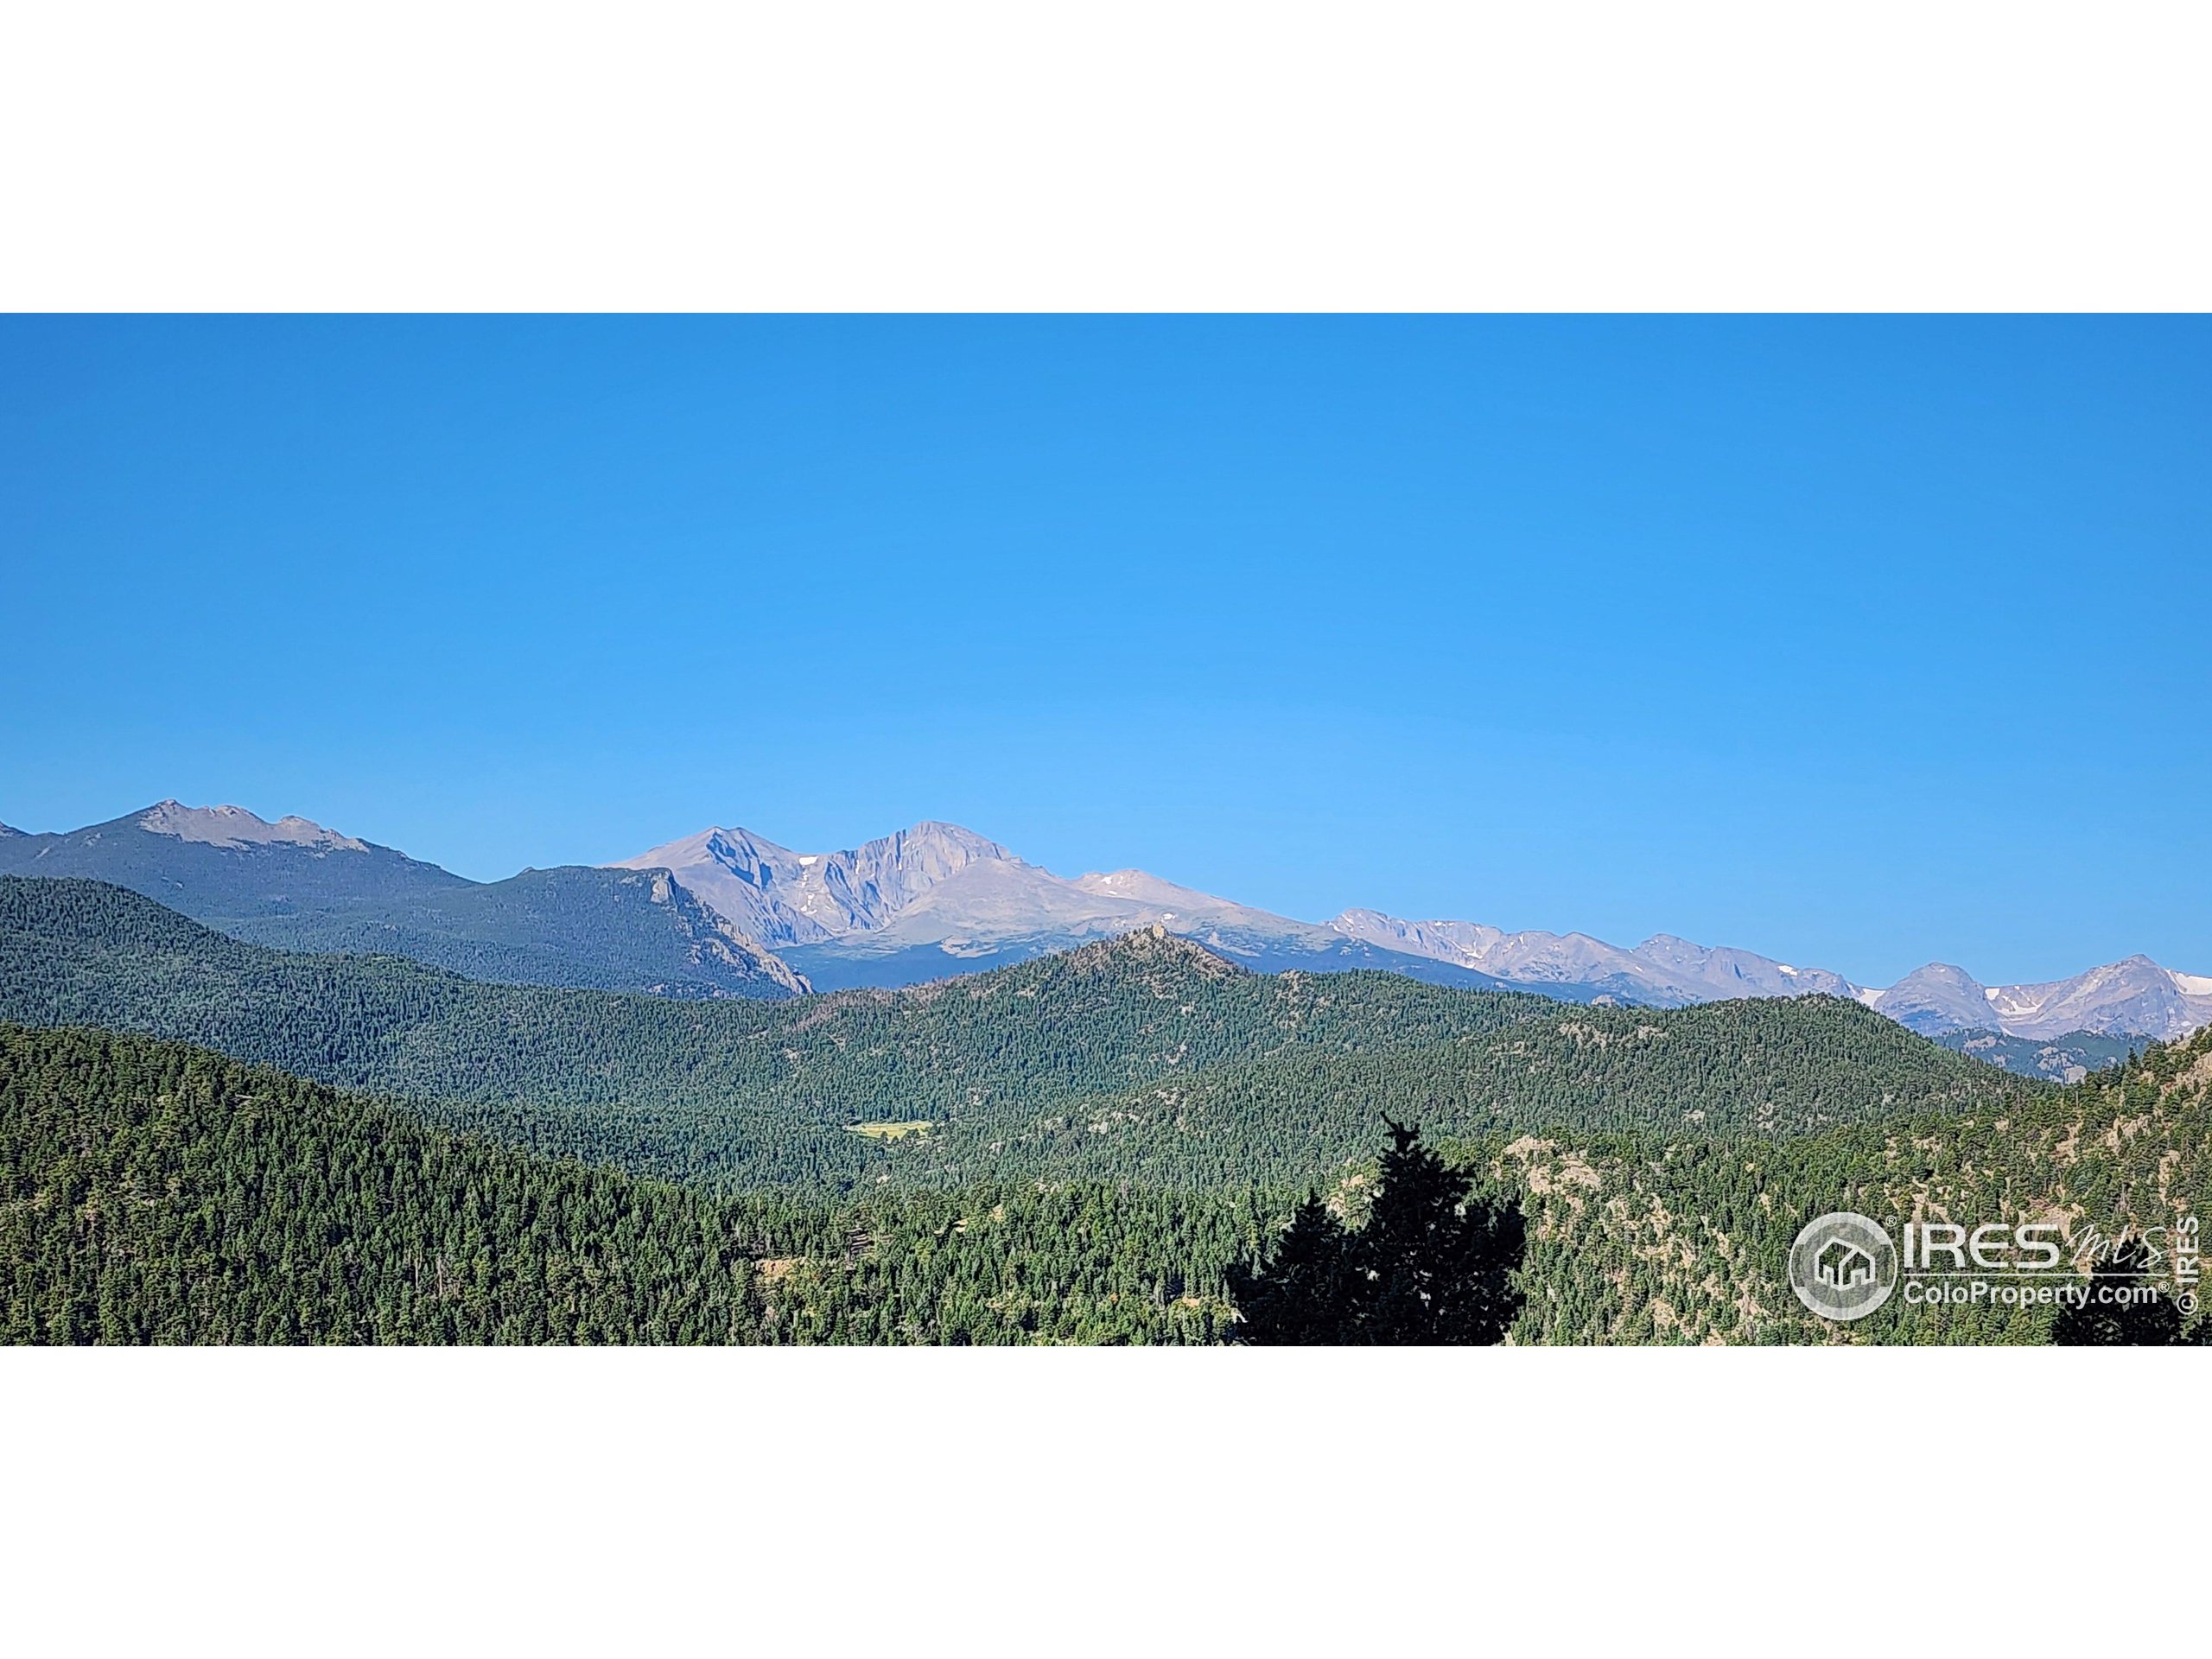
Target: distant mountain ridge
{"points": [[2136, 997], [608, 929], [733, 913], [781, 897], [1663, 971], [226, 862], [294, 885], [937, 899], [233, 826]]}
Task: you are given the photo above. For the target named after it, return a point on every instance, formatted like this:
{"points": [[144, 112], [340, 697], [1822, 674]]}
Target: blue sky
{"points": [[1857, 642]]}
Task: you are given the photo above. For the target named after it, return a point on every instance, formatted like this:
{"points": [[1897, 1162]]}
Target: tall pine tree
{"points": [[1302, 1296], [1432, 1266], [2153, 1322]]}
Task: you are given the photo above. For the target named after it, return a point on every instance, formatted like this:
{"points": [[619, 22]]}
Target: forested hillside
{"points": [[1639, 1239], [2063, 1060], [155, 1192], [1145, 1057], [1072, 1149], [151, 1192], [1633, 1238]]}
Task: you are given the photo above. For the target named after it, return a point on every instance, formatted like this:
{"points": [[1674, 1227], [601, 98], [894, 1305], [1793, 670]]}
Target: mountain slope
{"points": [[1634, 1239], [2135, 998], [152, 1192], [1199, 1073], [1644, 1238], [1938, 997], [614, 929], [2066, 1059], [1662, 972], [297, 885], [933, 886], [223, 863], [781, 897]]}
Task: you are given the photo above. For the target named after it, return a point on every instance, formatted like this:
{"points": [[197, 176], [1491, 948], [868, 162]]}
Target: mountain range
{"points": [[296, 886], [937, 899], [726, 913], [2133, 998]]}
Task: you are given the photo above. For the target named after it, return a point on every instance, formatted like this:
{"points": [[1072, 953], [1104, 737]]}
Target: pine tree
{"points": [[1302, 1297], [1437, 1266], [1432, 1266], [2152, 1323]]}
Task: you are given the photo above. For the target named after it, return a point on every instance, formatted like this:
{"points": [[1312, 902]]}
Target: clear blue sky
{"points": [[1856, 641]]}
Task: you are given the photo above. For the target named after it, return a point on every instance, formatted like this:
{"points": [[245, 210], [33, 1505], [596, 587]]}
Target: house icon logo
{"points": [[1843, 1266]]}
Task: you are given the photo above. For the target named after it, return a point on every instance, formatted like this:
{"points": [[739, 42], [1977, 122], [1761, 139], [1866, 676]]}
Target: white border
{"points": [[1819, 1502], [1152, 154]]}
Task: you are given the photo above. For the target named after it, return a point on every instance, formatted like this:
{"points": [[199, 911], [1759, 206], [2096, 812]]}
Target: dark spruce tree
{"points": [[2152, 1322], [1433, 1265], [1301, 1297]]}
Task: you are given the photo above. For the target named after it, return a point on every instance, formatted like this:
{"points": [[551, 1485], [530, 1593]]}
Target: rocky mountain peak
{"points": [[235, 827], [782, 897], [1152, 947]]}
